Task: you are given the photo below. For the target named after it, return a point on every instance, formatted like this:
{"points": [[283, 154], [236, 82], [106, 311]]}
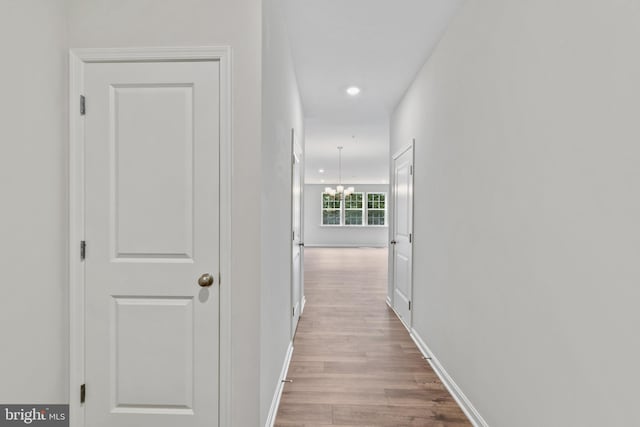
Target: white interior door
{"points": [[152, 136], [297, 250], [401, 245]]}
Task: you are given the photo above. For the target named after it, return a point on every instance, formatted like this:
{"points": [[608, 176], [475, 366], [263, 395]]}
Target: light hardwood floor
{"points": [[354, 363]]}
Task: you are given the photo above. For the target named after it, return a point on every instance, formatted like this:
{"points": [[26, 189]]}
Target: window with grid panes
{"points": [[331, 209], [354, 209], [376, 208]]}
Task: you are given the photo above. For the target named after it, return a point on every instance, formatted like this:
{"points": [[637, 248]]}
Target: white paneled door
{"points": [[297, 261], [152, 140], [401, 245]]}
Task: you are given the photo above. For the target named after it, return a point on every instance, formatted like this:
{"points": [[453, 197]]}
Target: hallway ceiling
{"points": [[377, 45]]}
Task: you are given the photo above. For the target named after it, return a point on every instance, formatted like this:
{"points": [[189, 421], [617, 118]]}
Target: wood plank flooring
{"points": [[354, 363]]}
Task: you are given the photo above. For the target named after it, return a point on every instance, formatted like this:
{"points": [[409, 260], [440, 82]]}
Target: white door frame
{"points": [[392, 191], [77, 59]]}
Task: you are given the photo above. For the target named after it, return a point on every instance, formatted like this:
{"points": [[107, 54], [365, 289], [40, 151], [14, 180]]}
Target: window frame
{"points": [[362, 210], [384, 210], [365, 211], [323, 209]]}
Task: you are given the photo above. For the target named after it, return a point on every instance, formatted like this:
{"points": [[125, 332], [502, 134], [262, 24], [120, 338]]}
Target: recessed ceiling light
{"points": [[321, 170], [353, 90]]}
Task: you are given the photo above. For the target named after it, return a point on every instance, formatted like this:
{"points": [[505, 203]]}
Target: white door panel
{"points": [[402, 251], [138, 382], [152, 134], [145, 119]]}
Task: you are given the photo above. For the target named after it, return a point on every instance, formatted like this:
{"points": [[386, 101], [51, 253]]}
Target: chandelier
{"points": [[340, 191]]}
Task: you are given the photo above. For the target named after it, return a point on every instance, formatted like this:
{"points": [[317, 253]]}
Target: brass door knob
{"points": [[205, 280]]}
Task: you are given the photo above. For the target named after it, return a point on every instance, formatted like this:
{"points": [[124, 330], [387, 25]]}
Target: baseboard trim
{"points": [[304, 302], [465, 404], [275, 403]]}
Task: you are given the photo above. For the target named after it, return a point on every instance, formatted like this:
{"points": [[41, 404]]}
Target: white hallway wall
{"points": [[36, 36], [33, 180], [282, 111], [526, 200], [318, 235]]}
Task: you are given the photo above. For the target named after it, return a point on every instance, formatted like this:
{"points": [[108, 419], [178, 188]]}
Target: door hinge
{"points": [[410, 237], [83, 393], [293, 311], [410, 169], [83, 105], [83, 250], [409, 305]]}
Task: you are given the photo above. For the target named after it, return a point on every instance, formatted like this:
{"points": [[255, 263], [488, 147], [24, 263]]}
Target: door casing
{"points": [[77, 59]]}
